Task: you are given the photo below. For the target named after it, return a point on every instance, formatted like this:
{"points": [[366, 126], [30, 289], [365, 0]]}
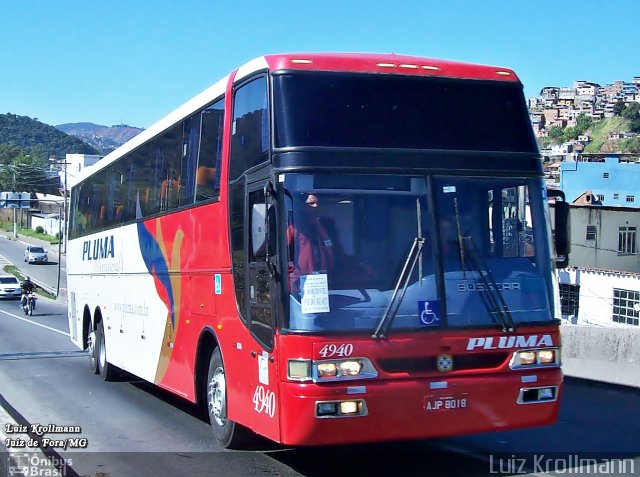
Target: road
{"points": [[12, 251], [134, 429]]}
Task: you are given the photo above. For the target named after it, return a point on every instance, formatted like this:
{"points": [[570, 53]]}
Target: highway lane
{"points": [[13, 252], [133, 428]]}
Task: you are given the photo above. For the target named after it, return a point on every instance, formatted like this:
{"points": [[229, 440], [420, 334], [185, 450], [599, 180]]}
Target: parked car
{"points": [[35, 254], [10, 287]]}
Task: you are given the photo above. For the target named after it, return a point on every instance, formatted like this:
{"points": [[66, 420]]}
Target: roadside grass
{"points": [[8, 227], [13, 270]]}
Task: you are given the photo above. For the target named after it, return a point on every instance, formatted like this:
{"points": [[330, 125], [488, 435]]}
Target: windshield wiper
{"points": [[492, 296], [403, 280]]}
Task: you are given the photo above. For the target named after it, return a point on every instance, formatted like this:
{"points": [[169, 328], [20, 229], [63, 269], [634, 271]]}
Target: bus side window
{"points": [[250, 132], [210, 157]]}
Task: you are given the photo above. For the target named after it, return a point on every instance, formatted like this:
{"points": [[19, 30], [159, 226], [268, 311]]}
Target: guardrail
{"points": [[610, 355], [44, 286]]}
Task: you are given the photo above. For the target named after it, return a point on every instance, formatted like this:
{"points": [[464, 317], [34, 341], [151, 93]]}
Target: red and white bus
{"points": [[329, 249]]}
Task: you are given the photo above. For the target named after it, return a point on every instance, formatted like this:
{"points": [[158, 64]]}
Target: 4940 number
{"points": [[264, 401], [341, 351]]}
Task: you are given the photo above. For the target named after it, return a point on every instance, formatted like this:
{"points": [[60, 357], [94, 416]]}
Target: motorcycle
{"points": [[29, 304]]}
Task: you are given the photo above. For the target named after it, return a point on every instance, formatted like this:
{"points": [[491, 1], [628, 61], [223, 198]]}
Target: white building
{"points": [[600, 297], [604, 237], [75, 163], [50, 223], [561, 149]]}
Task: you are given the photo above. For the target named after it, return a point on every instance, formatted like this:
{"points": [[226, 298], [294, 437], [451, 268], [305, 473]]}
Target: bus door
{"points": [[258, 360]]}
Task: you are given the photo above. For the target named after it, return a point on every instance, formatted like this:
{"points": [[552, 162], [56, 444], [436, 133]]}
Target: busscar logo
{"points": [[481, 287]]}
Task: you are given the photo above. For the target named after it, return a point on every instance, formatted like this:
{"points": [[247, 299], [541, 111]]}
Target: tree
{"points": [[583, 123], [618, 107], [556, 133], [25, 173], [632, 114]]}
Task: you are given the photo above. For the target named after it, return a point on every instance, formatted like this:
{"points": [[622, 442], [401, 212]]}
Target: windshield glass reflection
{"points": [[348, 239]]}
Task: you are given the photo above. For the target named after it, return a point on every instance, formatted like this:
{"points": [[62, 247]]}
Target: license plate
{"points": [[446, 403]]}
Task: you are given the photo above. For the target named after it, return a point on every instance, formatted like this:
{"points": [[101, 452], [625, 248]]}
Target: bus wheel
{"points": [[93, 352], [228, 433], [106, 369]]}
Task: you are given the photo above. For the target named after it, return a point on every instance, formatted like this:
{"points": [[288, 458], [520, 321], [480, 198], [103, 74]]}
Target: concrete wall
{"points": [[611, 355]]}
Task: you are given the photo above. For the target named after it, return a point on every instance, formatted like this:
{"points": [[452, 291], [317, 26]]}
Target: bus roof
{"points": [[387, 63], [347, 62]]}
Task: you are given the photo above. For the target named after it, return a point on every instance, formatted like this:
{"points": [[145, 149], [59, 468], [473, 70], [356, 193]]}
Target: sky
{"points": [[134, 61]]}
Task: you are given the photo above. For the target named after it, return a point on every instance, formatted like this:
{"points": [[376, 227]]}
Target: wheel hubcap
{"points": [[92, 344], [103, 353], [218, 397]]}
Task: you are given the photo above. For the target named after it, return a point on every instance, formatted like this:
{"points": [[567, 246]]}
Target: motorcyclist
{"points": [[27, 288]]}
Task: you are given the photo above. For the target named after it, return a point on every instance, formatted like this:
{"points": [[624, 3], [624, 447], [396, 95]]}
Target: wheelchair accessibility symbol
{"points": [[429, 312]]}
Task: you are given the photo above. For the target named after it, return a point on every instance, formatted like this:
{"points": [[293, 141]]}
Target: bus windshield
{"points": [[338, 110], [485, 251]]}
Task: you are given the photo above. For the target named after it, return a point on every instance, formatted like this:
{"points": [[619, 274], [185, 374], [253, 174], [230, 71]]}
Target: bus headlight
{"points": [[535, 358], [527, 358], [547, 356], [327, 370], [339, 370], [350, 368]]}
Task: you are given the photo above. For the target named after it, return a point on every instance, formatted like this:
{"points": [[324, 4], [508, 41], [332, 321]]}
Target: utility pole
{"points": [[15, 226], [66, 222]]}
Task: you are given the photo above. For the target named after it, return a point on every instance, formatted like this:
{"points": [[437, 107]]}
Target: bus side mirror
{"points": [[562, 229], [259, 231]]}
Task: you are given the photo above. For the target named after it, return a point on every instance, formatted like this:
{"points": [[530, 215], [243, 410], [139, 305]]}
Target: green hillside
{"points": [[600, 131], [39, 140]]}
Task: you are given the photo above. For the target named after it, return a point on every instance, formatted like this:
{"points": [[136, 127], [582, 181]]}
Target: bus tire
{"points": [[228, 433], [108, 371]]}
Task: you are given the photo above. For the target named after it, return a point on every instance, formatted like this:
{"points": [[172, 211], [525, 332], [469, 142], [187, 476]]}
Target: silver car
{"points": [[35, 254], [9, 287]]}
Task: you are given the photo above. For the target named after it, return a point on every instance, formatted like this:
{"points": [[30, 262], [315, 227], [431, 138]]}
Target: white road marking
{"points": [[33, 323]]}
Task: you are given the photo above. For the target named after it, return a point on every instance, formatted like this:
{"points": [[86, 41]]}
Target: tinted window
{"points": [[359, 110], [174, 169], [210, 157], [236, 219], [249, 143]]}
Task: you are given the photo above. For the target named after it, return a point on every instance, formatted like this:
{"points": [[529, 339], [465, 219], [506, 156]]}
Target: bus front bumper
{"points": [[402, 409]]}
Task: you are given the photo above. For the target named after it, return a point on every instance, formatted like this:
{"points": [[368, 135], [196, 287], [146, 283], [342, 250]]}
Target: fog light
{"points": [[326, 370], [546, 356], [326, 409], [527, 357], [299, 369], [545, 394], [350, 368], [348, 407]]}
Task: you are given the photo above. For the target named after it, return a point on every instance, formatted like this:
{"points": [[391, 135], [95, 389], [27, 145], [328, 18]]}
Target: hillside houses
{"points": [[561, 106]]}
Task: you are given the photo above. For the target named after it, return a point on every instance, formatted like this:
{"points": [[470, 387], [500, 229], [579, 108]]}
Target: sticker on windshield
{"points": [[314, 293], [429, 312], [448, 189]]}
